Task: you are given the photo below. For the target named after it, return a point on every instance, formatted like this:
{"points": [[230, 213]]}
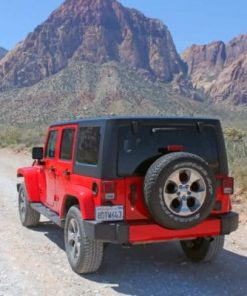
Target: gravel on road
{"points": [[33, 261]]}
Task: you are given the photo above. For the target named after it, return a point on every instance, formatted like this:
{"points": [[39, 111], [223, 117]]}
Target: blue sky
{"points": [[190, 21]]}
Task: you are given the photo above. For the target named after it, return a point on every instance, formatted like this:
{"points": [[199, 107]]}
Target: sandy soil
{"points": [[33, 262]]}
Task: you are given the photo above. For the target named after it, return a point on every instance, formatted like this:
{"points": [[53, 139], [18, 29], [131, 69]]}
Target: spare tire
{"points": [[179, 190]]}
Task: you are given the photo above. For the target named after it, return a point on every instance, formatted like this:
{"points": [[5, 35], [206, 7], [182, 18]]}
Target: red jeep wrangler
{"points": [[131, 180]]}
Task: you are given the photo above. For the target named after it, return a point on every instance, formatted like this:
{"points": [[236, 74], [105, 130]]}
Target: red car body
{"points": [[53, 183]]}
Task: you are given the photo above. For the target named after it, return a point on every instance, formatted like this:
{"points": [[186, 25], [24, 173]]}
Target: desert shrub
{"points": [[22, 137], [236, 144], [234, 134]]}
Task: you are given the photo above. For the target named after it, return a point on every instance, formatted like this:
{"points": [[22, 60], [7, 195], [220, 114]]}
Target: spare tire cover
{"points": [[179, 190]]}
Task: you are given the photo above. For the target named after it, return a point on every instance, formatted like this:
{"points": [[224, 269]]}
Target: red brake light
{"points": [[228, 185], [175, 148], [109, 190]]}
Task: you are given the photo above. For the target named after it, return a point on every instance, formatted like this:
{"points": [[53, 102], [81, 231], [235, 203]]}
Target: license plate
{"points": [[106, 213]]}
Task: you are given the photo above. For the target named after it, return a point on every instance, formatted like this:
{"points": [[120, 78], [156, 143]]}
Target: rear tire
{"points": [[203, 249], [28, 216], [84, 254]]}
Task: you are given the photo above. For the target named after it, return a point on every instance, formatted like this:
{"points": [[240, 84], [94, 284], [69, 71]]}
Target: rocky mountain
{"points": [[95, 31], [97, 57], [220, 69], [88, 89], [235, 48], [3, 52]]}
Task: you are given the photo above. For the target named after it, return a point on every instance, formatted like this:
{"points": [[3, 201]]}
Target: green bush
{"points": [[236, 144]]}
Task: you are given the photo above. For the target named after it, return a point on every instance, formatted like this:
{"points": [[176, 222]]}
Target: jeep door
{"points": [[67, 138], [50, 166]]}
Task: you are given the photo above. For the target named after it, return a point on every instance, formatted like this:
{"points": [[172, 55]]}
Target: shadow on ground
{"points": [[161, 269], [52, 231]]}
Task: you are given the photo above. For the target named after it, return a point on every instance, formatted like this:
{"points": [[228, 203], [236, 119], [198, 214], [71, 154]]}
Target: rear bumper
{"points": [[229, 222], [123, 233], [117, 233]]}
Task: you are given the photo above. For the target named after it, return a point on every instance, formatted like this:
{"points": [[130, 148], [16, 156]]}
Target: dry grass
{"points": [[21, 138]]}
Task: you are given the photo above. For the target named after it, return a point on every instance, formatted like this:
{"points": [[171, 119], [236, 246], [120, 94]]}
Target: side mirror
{"points": [[38, 153]]}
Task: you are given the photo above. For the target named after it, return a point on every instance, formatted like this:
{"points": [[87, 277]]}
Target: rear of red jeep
{"points": [[165, 179], [141, 180]]}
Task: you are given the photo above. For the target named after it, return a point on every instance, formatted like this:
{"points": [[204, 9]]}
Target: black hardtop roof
{"points": [[100, 120]]}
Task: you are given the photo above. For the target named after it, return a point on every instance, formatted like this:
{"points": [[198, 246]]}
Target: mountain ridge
{"points": [[220, 69], [97, 57], [96, 31]]}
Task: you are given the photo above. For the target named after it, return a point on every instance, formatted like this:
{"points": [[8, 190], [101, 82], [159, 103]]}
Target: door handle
{"points": [[52, 169], [66, 173]]}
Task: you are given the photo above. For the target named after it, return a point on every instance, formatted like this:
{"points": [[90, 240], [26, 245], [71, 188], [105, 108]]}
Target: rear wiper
{"points": [[164, 129], [199, 126]]}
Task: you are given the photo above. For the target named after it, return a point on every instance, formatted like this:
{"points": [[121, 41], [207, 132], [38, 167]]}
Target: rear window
{"points": [[138, 150], [88, 145]]}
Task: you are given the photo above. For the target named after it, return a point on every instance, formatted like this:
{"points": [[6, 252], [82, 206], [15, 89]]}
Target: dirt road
{"points": [[33, 262]]}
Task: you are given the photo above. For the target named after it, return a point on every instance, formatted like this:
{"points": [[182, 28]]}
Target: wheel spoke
{"points": [[199, 196], [175, 178], [184, 207], [169, 197], [193, 177], [73, 225], [77, 245], [78, 236], [71, 237], [74, 251], [21, 205]]}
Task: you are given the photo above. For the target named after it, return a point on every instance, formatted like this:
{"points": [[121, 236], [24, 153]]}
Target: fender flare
{"points": [[85, 199], [31, 181]]}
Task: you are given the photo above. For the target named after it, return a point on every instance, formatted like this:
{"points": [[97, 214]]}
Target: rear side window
{"points": [[66, 149], [88, 145], [51, 145], [138, 151]]}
